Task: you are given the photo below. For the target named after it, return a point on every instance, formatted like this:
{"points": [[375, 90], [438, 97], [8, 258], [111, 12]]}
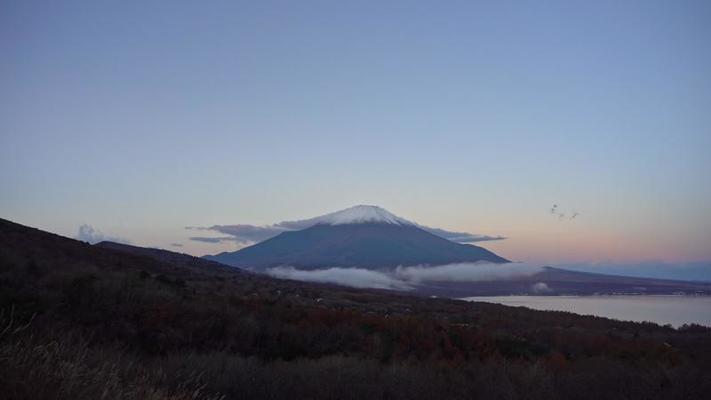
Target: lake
{"points": [[674, 310]]}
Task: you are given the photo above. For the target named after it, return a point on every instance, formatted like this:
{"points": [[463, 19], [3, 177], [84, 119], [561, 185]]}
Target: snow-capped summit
{"points": [[360, 214]]}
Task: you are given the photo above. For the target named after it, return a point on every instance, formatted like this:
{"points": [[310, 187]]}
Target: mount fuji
{"points": [[361, 236]]}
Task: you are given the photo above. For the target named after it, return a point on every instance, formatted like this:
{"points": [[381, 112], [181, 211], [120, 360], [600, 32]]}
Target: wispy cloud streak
{"points": [[249, 234]]}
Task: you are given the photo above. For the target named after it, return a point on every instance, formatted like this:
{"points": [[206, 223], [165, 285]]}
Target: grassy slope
{"points": [[80, 321]]}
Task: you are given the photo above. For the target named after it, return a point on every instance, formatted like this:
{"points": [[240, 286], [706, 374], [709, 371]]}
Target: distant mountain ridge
{"points": [[362, 236]]}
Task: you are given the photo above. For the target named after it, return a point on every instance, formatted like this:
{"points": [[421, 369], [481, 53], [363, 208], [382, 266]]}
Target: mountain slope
{"points": [[374, 245], [166, 256]]}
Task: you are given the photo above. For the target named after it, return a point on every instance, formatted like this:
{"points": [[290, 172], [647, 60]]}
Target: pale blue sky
{"points": [[140, 118]]}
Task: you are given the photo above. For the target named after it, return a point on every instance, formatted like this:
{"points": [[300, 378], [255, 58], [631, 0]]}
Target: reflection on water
{"points": [[674, 310]]}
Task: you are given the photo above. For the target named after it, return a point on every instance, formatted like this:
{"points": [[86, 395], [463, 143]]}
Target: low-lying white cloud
{"points": [[540, 288], [353, 277], [407, 278], [465, 272]]}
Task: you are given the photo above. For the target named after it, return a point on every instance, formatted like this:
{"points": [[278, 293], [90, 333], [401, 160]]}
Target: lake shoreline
{"points": [[672, 309]]}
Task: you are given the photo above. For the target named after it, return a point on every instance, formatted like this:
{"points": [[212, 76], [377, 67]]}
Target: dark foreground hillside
{"points": [[86, 322]]}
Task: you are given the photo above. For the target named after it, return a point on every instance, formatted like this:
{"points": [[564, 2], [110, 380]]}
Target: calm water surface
{"points": [[675, 310]]}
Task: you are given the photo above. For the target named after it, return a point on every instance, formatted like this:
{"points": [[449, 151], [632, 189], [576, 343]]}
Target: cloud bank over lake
{"points": [[407, 278]]}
